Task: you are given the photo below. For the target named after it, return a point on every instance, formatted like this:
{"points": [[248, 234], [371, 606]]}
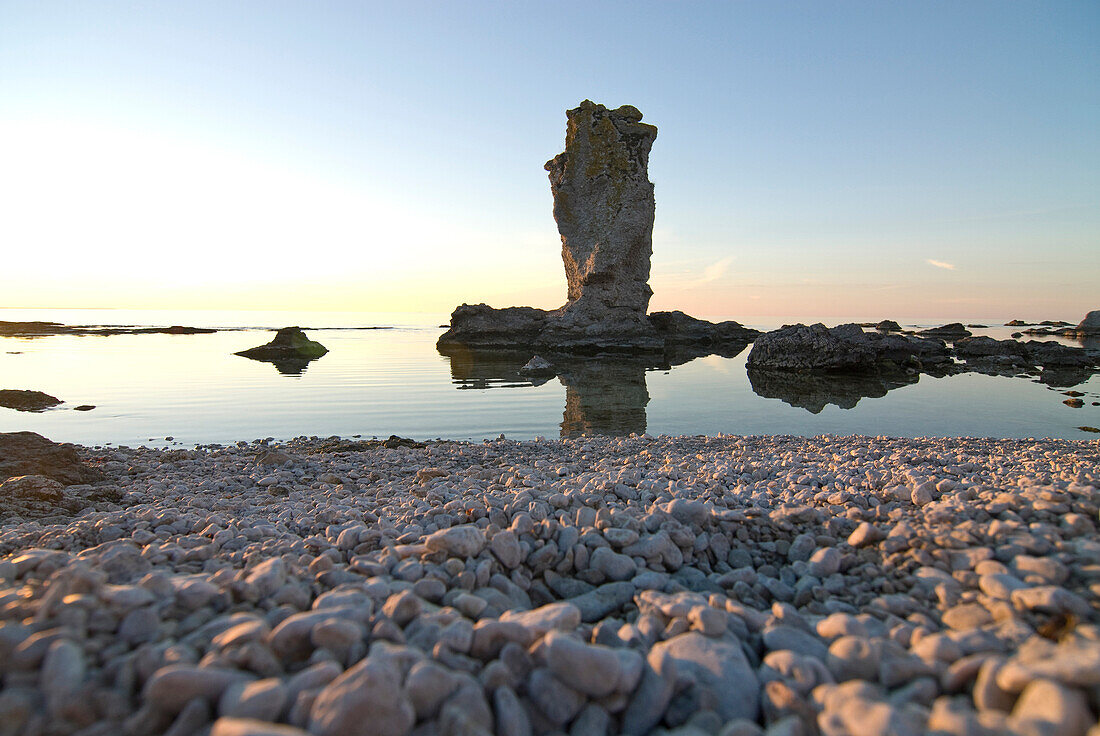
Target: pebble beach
{"points": [[689, 585]]}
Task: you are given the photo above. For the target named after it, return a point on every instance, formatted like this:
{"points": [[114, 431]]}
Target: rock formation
{"points": [[290, 351], [603, 205], [1089, 326], [950, 331], [843, 348], [46, 329], [1062, 365], [43, 480], [805, 351], [28, 453], [21, 400]]}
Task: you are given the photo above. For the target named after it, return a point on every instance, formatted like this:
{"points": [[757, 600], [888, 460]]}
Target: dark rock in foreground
{"points": [[847, 349], [290, 351], [809, 347], [29, 453], [21, 400], [32, 329], [45, 481]]}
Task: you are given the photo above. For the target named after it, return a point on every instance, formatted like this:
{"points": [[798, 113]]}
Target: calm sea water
{"points": [[380, 382]]}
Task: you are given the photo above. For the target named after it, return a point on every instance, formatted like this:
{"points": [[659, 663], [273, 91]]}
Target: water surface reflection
{"points": [[814, 391], [604, 394]]}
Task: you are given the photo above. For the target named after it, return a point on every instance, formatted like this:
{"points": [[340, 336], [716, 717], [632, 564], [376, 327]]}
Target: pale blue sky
{"points": [[813, 158]]}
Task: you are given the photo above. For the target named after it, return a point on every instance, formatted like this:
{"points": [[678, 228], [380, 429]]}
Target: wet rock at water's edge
{"points": [[40, 479], [29, 453]]}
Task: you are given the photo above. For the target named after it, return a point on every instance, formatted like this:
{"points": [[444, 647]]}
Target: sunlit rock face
{"points": [[603, 205]]}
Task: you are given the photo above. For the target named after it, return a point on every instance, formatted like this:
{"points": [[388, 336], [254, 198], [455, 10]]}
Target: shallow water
{"points": [[380, 382]]}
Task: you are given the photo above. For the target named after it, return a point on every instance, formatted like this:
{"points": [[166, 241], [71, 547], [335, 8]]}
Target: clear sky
{"points": [[814, 158]]}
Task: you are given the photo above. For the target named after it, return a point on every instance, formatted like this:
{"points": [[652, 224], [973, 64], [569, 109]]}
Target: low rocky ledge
{"points": [[844, 348], [23, 400], [847, 349], [481, 327], [48, 329]]}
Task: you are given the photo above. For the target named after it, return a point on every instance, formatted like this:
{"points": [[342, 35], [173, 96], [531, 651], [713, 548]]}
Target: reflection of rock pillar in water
{"points": [[604, 399]]}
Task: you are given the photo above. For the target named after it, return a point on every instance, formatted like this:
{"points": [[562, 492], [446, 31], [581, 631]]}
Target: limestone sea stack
{"points": [[603, 205], [604, 209]]}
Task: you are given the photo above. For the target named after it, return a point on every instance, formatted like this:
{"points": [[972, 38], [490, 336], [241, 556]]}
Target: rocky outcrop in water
{"points": [[21, 400], [1089, 326], [603, 205], [843, 348], [46, 329], [948, 332], [809, 350], [290, 351], [1061, 365]]}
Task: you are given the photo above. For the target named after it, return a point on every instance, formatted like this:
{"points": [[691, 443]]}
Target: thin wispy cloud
{"points": [[941, 264], [716, 270]]}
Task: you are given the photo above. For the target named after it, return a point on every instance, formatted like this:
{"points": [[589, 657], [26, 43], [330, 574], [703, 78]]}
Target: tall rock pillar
{"points": [[603, 205]]}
